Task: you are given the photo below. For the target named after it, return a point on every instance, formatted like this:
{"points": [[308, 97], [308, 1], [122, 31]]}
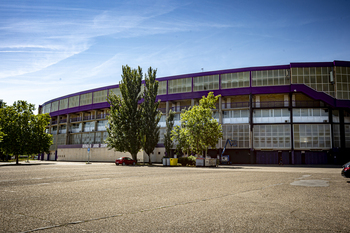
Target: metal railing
{"points": [[75, 119], [271, 104], [235, 105]]}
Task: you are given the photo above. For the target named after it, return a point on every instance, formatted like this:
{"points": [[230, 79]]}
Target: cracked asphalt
{"points": [[101, 197]]}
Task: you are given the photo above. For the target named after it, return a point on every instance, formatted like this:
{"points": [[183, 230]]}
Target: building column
{"points": [[167, 108], [220, 110], [291, 105], [252, 152], [68, 129]]}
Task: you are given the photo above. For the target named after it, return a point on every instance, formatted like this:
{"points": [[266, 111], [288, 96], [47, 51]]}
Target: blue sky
{"points": [[53, 48]]}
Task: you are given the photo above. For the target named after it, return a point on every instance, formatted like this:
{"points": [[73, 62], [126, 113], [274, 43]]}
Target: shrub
{"points": [[190, 160]]}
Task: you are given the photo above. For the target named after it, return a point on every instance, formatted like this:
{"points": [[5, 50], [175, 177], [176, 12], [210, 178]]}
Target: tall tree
{"points": [[125, 119], [21, 126], [150, 114], [40, 140], [168, 142], [198, 127], [1, 135]]}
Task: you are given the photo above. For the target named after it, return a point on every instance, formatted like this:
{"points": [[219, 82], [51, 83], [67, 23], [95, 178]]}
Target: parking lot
{"points": [[102, 197]]}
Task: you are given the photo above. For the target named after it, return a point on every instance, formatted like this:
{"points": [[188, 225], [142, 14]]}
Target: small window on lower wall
{"points": [[312, 136]]}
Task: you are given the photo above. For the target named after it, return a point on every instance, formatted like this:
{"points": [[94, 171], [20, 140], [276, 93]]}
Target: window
{"points": [[100, 96], [313, 136], [271, 136], [85, 99], [343, 82], [203, 83], [336, 135], [54, 106], [64, 103], [47, 108], [89, 126], [239, 133], [310, 115], [235, 80], [162, 121], [75, 128], [102, 125], [317, 78], [236, 116], [270, 77], [162, 87], [271, 115], [180, 85], [116, 91], [74, 101]]}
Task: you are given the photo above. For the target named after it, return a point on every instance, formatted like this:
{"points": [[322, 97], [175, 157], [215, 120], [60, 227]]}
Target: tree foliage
{"points": [[1, 134], [125, 122], [168, 142], [199, 130], [24, 131], [150, 114]]}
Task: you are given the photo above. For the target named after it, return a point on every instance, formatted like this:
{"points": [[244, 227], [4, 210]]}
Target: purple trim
{"points": [[342, 63], [224, 92], [311, 64], [88, 107]]}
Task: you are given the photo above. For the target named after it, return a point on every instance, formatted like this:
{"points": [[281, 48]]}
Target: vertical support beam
{"points": [[291, 124], [330, 116], [251, 138], [220, 110], [342, 129], [167, 108], [68, 129]]}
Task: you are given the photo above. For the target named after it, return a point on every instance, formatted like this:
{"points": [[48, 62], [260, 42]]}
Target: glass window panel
{"points": [[64, 103], [73, 101], [85, 99], [100, 96], [54, 106], [277, 112]]}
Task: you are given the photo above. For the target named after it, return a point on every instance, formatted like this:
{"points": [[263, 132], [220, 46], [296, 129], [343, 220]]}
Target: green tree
{"points": [[40, 140], [1, 135], [199, 129], [168, 142], [125, 122], [150, 114], [25, 132]]}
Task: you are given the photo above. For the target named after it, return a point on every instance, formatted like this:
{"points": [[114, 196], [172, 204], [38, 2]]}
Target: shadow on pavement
{"points": [[23, 164]]}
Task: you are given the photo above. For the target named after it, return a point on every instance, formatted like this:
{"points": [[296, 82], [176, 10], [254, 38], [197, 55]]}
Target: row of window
{"points": [[306, 136], [318, 78]]}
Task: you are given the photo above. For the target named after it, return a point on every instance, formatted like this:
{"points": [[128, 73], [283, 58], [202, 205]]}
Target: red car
{"points": [[125, 161]]}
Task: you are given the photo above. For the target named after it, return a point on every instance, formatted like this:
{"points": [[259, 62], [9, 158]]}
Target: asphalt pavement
{"points": [[48, 196]]}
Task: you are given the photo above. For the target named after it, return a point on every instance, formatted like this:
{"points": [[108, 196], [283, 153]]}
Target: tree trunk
{"points": [[149, 159], [16, 159]]}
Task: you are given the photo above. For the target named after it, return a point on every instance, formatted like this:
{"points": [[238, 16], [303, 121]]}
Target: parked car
{"points": [[346, 170], [125, 161]]}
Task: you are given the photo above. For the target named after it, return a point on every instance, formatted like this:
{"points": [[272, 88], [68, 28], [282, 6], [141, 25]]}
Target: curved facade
{"points": [[298, 113]]}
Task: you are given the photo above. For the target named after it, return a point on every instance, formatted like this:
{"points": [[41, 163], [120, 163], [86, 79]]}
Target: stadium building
{"points": [[298, 113]]}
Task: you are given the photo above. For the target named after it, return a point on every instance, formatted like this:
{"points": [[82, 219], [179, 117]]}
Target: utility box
{"points": [[200, 162], [210, 162]]}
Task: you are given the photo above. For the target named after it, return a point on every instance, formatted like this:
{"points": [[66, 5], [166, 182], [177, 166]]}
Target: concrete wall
{"points": [[104, 155]]}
